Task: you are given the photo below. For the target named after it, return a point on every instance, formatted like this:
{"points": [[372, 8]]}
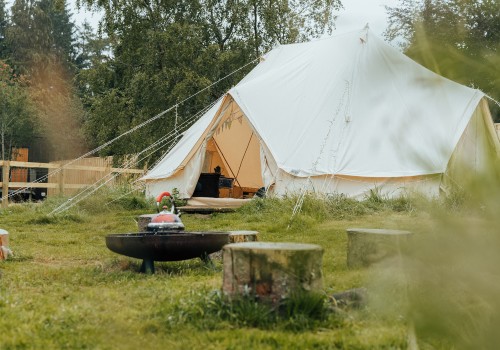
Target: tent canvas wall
{"points": [[343, 114]]}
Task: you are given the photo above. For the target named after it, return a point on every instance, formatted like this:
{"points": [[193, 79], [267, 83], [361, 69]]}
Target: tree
{"points": [[17, 114], [62, 30], [459, 39], [29, 53], [91, 48], [283, 22], [3, 29], [46, 59], [164, 51], [53, 43]]}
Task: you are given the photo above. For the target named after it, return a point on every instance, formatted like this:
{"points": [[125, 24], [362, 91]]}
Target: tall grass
{"points": [[212, 310], [319, 208]]}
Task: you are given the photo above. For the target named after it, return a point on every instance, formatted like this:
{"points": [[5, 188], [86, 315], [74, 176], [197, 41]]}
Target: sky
{"points": [[355, 15]]}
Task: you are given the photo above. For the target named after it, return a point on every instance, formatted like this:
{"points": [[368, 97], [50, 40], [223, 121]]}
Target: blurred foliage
{"points": [[447, 282], [459, 39], [37, 40]]}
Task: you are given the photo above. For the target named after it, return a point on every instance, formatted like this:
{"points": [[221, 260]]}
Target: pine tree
{"points": [[63, 30], [4, 51]]}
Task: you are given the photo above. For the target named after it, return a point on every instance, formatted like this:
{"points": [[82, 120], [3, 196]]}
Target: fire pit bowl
{"points": [[171, 246]]}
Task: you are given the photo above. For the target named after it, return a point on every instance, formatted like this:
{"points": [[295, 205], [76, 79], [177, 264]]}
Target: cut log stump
{"points": [[243, 236], [238, 237], [5, 252], [271, 271], [143, 221], [367, 246]]}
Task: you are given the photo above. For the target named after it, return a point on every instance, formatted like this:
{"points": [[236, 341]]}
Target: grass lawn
{"points": [[65, 290]]}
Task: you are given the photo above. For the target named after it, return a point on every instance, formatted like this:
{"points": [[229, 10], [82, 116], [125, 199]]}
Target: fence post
{"points": [[5, 183], [61, 180]]}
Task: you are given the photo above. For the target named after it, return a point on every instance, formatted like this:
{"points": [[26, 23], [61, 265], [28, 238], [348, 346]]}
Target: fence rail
{"points": [[62, 178]]}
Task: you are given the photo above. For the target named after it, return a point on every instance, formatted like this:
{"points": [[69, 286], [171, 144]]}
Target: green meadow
{"points": [[64, 289]]}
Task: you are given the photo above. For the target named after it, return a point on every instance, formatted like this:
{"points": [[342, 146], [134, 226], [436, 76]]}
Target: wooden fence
{"points": [[62, 178]]}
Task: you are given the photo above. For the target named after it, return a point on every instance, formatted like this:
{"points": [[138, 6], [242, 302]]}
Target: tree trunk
{"points": [[3, 144], [271, 271]]}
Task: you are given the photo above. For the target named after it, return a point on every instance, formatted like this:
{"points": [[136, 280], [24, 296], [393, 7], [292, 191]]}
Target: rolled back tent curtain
{"points": [[222, 137], [181, 167]]}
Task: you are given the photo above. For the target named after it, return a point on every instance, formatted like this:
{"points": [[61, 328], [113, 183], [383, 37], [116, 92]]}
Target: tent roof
{"points": [[350, 104], [353, 105], [170, 163]]}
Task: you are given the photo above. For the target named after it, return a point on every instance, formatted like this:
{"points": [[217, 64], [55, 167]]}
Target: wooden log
{"points": [[237, 237], [243, 236], [143, 221], [4, 245], [271, 271], [367, 246]]}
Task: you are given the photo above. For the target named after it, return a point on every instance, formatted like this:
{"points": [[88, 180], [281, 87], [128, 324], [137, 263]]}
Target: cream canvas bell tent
{"points": [[340, 115]]}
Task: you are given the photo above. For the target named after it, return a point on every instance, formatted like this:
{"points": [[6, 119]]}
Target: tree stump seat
{"points": [[5, 252], [271, 271], [143, 221], [243, 236], [238, 237], [366, 246]]}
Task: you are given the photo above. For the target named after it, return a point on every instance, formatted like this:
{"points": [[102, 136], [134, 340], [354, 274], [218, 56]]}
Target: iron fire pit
{"points": [[171, 246]]}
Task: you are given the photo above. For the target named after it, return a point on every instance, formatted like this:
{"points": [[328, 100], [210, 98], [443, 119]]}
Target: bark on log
{"points": [[237, 237], [243, 236], [367, 246], [271, 271], [143, 221]]}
